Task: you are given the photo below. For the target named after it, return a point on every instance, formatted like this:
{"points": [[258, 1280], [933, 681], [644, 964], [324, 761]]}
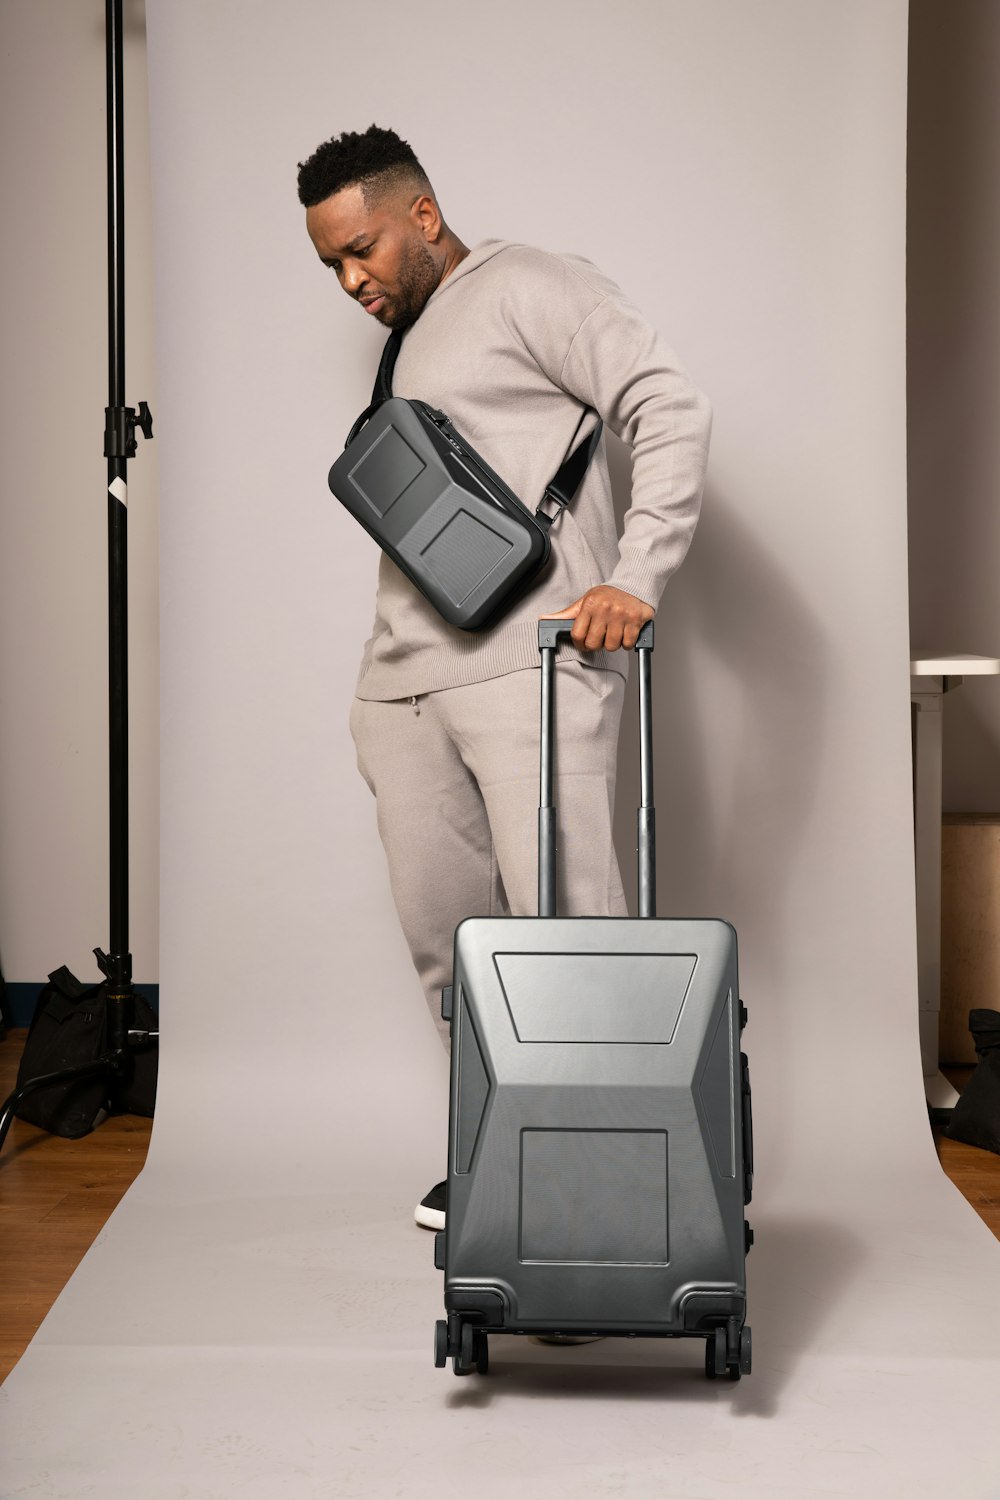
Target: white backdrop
{"points": [[739, 170]]}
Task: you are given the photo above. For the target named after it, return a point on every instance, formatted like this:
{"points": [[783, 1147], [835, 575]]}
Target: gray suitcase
{"points": [[599, 1144]]}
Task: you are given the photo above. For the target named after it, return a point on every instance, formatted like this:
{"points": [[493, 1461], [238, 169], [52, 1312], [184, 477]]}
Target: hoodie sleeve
{"points": [[619, 364], [592, 342]]}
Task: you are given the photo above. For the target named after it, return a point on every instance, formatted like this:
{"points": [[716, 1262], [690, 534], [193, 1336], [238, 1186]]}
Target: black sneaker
{"points": [[429, 1211]]}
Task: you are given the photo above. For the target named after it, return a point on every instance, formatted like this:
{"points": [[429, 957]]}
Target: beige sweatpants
{"points": [[455, 774]]}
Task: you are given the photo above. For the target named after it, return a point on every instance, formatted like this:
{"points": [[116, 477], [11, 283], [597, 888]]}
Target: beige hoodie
{"points": [[520, 347]]}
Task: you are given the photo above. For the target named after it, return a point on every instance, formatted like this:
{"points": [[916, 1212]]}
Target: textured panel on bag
{"points": [[462, 554], [387, 469]]}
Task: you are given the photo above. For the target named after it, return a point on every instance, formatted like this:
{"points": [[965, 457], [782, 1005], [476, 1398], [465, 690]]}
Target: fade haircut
{"points": [[377, 160]]}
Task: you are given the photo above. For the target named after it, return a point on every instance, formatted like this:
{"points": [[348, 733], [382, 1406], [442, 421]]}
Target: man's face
{"points": [[382, 255]]}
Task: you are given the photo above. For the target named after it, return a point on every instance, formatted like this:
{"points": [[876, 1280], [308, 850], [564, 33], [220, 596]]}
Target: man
{"points": [[523, 349]]}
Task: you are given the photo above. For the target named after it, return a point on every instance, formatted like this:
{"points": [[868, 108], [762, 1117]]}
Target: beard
{"points": [[418, 278]]}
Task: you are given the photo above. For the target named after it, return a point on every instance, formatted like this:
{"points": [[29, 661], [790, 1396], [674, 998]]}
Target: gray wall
{"points": [[53, 500], [953, 330]]}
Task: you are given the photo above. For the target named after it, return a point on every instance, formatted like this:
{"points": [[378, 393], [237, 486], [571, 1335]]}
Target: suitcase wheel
{"points": [[717, 1360], [715, 1353], [473, 1352], [440, 1343], [741, 1365]]}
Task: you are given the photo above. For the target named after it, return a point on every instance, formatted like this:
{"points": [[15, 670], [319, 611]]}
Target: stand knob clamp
{"points": [[120, 423]]}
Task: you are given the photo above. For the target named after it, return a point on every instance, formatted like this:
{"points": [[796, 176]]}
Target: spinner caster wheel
{"points": [[465, 1361], [440, 1344], [746, 1350], [482, 1354], [715, 1353]]}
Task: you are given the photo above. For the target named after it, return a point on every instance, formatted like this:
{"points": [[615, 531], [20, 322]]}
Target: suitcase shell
{"points": [[595, 1155], [600, 1145]]}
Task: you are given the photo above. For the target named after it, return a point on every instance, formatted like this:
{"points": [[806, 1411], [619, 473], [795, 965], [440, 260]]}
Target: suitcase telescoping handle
{"points": [[549, 633]]}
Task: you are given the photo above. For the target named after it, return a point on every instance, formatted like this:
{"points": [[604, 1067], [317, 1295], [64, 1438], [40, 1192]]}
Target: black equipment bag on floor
{"points": [[975, 1120], [68, 1028], [599, 1148], [457, 531]]}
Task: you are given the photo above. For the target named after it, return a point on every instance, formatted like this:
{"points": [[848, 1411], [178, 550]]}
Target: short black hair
{"points": [[383, 165]]}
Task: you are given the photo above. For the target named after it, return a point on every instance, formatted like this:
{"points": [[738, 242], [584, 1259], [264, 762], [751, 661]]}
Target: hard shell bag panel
{"points": [[440, 511]]}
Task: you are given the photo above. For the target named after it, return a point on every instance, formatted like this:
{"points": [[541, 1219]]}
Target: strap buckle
{"points": [[559, 500]]}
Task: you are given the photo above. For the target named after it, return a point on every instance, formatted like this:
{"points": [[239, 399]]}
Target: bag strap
{"points": [[382, 389], [563, 485]]}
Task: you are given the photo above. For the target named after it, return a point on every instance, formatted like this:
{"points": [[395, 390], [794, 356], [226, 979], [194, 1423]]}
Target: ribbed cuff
{"points": [[644, 581]]}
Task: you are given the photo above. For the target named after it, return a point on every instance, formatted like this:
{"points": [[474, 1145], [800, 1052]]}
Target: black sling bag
{"points": [[461, 536]]}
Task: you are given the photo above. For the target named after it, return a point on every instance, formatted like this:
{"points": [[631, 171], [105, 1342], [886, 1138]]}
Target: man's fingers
{"points": [[606, 617], [597, 630], [581, 629], [614, 636]]}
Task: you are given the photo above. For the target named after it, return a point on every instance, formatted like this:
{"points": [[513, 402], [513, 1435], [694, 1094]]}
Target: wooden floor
{"points": [[55, 1196]]}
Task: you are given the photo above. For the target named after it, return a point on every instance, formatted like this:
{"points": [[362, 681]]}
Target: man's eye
{"points": [[335, 265]]}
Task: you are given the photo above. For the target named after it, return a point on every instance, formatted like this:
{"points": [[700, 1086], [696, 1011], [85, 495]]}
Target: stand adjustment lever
{"points": [[120, 423], [116, 967]]}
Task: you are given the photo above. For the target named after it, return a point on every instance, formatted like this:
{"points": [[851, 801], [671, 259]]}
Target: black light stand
{"points": [[120, 444]]}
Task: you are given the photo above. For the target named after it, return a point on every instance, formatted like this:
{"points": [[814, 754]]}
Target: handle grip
{"points": [[550, 632]]}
